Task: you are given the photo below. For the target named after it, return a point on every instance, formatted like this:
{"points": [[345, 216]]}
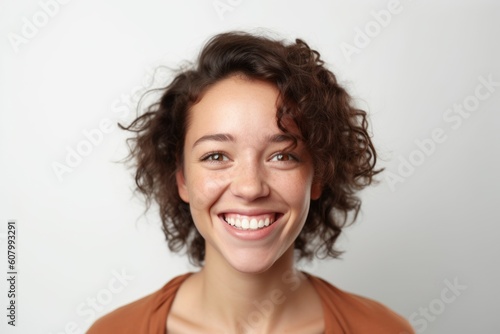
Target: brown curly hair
{"points": [[333, 130]]}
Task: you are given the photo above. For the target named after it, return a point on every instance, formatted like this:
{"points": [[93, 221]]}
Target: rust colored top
{"points": [[343, 313]]}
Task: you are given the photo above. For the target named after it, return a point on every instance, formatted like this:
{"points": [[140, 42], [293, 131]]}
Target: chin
{"points": [[249, 262]]}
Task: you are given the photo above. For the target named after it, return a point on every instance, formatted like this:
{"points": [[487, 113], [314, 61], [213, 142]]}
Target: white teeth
{"points": [[245, 224], [248, 223], [253, 224]]}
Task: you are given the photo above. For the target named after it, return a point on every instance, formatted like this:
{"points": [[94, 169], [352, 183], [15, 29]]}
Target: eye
{"points": [[285, 157], [215, 156]]}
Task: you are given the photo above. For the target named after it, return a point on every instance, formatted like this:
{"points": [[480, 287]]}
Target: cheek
{"points": [[205, 190], [295, 190]]}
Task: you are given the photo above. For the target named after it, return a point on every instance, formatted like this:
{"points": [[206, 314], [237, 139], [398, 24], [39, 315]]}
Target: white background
{"points": [[440, 224]]}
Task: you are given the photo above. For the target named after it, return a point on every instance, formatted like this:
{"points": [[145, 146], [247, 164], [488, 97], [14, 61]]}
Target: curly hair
{"points": [[333, 130]]}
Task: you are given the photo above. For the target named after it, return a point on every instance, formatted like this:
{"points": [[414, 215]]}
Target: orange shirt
{"points": [[343, 312]]}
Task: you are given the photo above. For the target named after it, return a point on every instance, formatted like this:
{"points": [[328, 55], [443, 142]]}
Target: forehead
{"points": [[235, 104], [238, 91]]}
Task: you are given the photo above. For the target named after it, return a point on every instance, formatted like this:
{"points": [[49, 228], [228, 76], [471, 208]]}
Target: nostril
{"points": [[249, 186]]}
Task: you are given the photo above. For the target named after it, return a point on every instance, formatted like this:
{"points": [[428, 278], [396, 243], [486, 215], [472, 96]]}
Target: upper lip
{"points": [[249, 212]]}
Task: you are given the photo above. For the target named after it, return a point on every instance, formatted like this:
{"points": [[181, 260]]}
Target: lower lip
{"points": [[257, 234]]}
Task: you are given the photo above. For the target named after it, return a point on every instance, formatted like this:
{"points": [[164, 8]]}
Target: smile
{"points": [[243, 222]]}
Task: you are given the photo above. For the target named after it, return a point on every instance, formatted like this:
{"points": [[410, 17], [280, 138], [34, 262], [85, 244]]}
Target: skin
{"points": [[237, 164]]}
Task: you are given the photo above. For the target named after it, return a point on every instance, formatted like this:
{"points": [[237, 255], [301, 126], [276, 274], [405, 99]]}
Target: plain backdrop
{"points": [[427, 72]]}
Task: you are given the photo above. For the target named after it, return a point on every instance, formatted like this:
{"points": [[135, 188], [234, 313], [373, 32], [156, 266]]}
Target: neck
{"points": [[248, 302]]}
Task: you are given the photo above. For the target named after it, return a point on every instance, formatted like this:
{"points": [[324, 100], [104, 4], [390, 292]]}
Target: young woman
{"points": [[254, 156]]}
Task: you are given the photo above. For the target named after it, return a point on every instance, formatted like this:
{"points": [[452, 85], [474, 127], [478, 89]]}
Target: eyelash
{"points": [[290, 156], [210, 157]]}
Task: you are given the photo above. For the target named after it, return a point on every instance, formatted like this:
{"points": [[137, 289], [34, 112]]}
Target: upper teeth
{"points": [[248, 223]]}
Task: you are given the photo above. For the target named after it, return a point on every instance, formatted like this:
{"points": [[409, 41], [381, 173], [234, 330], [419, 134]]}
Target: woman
{"points": [[254, 157]]}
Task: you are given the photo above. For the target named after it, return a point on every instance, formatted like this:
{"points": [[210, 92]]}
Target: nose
{"points": [[249, 182]]}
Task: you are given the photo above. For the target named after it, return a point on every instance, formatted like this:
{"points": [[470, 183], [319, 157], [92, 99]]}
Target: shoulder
{"points": [[146, 315], [358, 314]]}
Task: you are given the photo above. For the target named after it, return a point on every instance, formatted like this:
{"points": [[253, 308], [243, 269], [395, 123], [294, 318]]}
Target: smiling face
{"points": [[248, 193]]}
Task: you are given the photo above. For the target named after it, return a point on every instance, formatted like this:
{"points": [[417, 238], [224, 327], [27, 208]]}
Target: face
{"points": [[248, 191]]}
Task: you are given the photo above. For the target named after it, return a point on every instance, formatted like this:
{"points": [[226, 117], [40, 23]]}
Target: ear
{"points": [[316, 188], [181, 185]]}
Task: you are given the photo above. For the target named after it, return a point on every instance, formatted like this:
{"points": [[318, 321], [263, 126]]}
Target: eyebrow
{"points": [[220, 137], [280, 138], [225, 137]]}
